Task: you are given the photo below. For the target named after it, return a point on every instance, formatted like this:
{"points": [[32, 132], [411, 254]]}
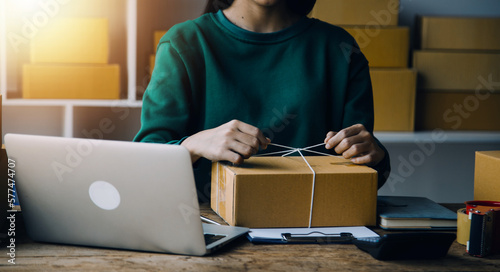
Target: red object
{"points": [[489, 229], [482, 206]]}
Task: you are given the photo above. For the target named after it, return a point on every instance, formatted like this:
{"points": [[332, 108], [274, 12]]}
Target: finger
{"points": [[352, 142], [370, 158], [363, 159], [255, 132], [357, 149], [230, 156], [341, 135], [268, 141], [329, 135], [245, 144]]}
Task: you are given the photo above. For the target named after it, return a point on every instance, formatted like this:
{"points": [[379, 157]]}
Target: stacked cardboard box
{"points": [[157, 37], [69, 60], [357, 12], [374, 25], [486, 173], [459, 73]]}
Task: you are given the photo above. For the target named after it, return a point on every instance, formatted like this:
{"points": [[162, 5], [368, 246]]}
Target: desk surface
{"points": [[240, 255]]}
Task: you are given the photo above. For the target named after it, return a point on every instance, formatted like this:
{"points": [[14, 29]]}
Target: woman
{"points": [[249, 72]]}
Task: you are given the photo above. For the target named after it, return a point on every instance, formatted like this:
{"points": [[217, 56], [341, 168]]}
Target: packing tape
{"points": [[463, 226]]}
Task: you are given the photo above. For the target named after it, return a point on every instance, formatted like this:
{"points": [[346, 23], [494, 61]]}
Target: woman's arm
{"points": [[356, 141]]}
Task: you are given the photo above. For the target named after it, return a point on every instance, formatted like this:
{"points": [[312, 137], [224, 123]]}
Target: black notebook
{"points": [[402, 212]]}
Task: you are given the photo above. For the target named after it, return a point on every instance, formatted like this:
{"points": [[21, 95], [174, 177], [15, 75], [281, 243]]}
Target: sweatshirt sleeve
{"points": [[166, 102], [359, 105]]}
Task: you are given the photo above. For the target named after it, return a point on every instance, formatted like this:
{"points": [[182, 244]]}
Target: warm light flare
{"points": [[25, 5]]}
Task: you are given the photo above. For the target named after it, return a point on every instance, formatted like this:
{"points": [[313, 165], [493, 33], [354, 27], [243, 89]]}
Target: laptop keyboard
{"points": [[210, 238]]}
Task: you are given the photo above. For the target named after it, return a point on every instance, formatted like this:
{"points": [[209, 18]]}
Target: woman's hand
{"points": [[233, 141], [355, 143]]}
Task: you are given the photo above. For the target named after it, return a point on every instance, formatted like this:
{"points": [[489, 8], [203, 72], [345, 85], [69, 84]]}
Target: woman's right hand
{"points": [[233, 141]]}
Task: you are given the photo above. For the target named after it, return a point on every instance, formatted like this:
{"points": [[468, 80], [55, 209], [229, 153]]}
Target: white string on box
{"points": [[292, 150]]}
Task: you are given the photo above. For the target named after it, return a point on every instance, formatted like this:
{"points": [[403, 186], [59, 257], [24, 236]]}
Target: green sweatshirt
{"points": [[295, 85]]}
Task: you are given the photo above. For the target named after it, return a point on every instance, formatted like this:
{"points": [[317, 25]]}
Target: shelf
{"points": [[69, 117], [66, 102], [132, 24], [20, 24], [439, 136]]}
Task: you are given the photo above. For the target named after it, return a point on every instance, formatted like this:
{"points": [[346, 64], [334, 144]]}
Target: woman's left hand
{"points": [[355, 143]]}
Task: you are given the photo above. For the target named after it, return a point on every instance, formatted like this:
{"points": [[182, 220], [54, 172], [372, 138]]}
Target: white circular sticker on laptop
{"points": [[104, 195]]}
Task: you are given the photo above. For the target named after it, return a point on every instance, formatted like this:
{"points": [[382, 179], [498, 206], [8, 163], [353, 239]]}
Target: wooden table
{"points": [[240, 255]]}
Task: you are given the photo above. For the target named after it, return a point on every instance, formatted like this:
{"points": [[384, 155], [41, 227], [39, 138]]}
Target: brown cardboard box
{"points": [[276, 192], [460, 33], [456, 71], [486, 176], [357, 12], [157, 37], [458, 111], [383, 47], [152, 60], [71, 81], [394, 98], [72, 40]]}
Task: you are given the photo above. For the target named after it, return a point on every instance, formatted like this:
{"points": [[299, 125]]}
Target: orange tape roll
{"points": [[463, 226]]}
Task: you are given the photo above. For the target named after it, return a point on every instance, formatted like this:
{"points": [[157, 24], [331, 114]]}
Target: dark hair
{"points": [[301, 7], [216, 5]]}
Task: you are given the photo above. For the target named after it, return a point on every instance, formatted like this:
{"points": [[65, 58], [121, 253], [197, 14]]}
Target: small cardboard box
{"points": [[270, 192], [457, 110], [71, 81], [152, 60], [357, 12], [486, 176], [72, 40], [462, 33], [457, 71], [387, 47], [394, 98], [157, 37]]}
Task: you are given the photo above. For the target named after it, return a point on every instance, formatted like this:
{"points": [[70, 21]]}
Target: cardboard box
{"points": [[394, 98], [383, 47], [456, 71], [152, 59], [276, 192], [72, 40], [157, 37], [486, 176], [71, 81], [458, 111], [460, 33], [357, 12]]}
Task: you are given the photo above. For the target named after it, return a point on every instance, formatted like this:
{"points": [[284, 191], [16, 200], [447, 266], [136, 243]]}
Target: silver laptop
{"points": [[112, 194]]}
